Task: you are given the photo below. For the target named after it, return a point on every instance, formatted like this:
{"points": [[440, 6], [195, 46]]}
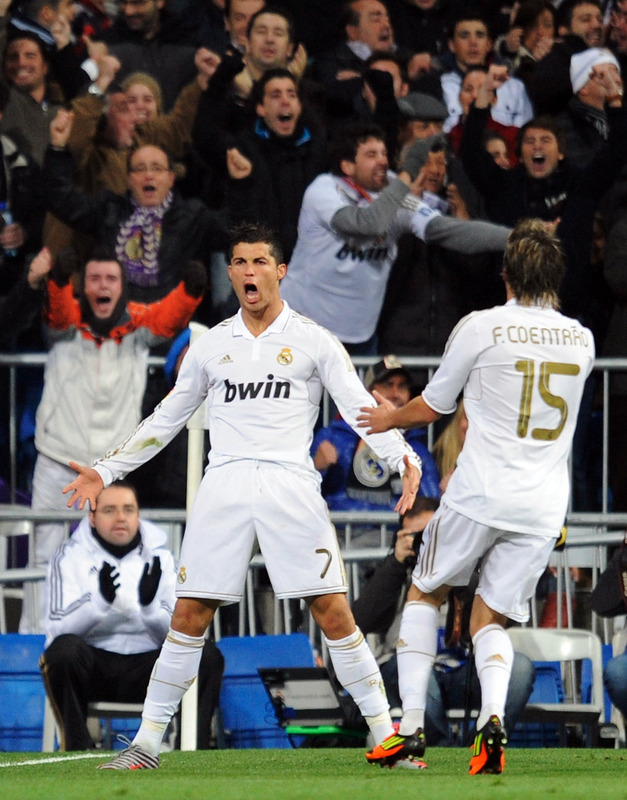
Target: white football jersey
{"points": [[338, 281], [263, 397], [522, 370]]}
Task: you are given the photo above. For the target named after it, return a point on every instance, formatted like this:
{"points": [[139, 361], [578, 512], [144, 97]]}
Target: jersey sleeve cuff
{"points": [[421, 217], [105, 473]]}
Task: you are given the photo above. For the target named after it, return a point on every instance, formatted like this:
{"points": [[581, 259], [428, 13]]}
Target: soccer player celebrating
{"points": [[522, 368], [262, 372]]}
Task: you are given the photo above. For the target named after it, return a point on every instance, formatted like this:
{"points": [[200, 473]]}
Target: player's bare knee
{"points": [[192, 615], [482, 615], [332, 613], [436, 598]]}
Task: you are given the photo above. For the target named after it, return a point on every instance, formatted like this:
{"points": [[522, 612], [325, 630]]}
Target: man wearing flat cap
{"points": [[422, 115]]}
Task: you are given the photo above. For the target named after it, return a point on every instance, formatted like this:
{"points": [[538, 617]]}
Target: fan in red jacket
{"points": [[95, 377]]}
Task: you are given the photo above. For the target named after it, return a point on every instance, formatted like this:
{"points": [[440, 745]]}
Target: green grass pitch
{"points": [[316, 773]]}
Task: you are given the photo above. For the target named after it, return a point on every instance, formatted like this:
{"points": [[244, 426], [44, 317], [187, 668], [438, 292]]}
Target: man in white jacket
{"points": [[110, 597]]}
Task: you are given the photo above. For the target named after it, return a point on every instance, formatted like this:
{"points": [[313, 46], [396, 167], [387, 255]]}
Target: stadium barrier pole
{"points": [[196, 435]]}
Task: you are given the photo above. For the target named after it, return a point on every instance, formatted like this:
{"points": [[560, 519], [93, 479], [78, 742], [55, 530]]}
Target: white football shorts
{"points": [[243, 503], [511, 566]]}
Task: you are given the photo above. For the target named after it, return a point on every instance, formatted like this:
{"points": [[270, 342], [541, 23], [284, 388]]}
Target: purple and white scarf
{"points": [[137, 245]]}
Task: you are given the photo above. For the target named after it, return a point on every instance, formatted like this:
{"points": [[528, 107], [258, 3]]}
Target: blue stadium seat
{"points": [[247, 715], [21, 691], [548, 688]]}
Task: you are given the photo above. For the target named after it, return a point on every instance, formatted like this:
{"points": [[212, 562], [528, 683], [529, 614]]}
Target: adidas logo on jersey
{"points": [[251, 391], [226, 359]]}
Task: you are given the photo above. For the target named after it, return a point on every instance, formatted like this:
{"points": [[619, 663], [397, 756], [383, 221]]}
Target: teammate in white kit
{"points": [[263, 372], [522, 368]]}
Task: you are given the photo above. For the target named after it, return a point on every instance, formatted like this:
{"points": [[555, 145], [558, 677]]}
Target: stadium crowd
{"points": [[392, 144]]}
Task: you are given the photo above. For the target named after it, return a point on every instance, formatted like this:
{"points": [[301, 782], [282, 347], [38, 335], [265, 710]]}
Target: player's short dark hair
{"points": [[346, 141], [259, 87], [252, 233], [546, 123], [280, 12], [533, 263]]}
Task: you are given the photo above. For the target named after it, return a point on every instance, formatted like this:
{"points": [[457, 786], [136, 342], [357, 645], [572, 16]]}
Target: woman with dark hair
{"points": [[529, 39]]}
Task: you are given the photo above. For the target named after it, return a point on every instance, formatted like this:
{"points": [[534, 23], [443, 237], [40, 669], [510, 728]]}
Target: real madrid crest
{"points": [[285, 357], [182, 576], [369, 470]]}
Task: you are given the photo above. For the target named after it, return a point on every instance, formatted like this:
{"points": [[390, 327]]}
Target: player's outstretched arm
{"points": [[411, 483], [385, 416], [379, 419], [86, 487]]}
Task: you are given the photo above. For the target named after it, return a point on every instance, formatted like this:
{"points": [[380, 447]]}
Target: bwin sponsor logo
{"points": [[374, 253], [251, 391]]}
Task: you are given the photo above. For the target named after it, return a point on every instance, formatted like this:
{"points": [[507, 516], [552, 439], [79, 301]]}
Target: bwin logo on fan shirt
{"points": [[252, 391], [377, 252]]}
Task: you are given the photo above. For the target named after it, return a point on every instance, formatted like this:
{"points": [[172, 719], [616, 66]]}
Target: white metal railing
{"points": [[595, 530], [13, 362], [590, 532]]}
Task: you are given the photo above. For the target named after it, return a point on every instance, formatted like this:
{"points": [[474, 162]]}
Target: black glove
{"points": [[381, 83], [232, 64], [149, 582], [65, 265], [107, 578], [194, 275]]}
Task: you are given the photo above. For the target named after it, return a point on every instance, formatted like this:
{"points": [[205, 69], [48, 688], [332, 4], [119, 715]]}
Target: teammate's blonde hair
{"points": [[533, 263]]}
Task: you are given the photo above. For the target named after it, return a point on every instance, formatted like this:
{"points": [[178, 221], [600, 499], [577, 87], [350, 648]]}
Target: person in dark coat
{"points": [[271, 165], [152, 230]]}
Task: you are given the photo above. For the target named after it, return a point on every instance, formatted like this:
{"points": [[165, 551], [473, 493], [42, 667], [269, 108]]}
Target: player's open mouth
{"points": [[250, 290], [286, 117], [538, 158], [149, 189], [103, 302]]}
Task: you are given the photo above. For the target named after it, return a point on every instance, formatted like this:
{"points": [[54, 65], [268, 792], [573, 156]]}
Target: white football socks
{"points": [[415, 651], [494, 655], [173, 673], [358, 672]]}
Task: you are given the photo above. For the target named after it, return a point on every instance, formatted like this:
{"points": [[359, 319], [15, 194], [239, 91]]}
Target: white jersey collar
{"points": [[514, 302], [278, 326]]}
